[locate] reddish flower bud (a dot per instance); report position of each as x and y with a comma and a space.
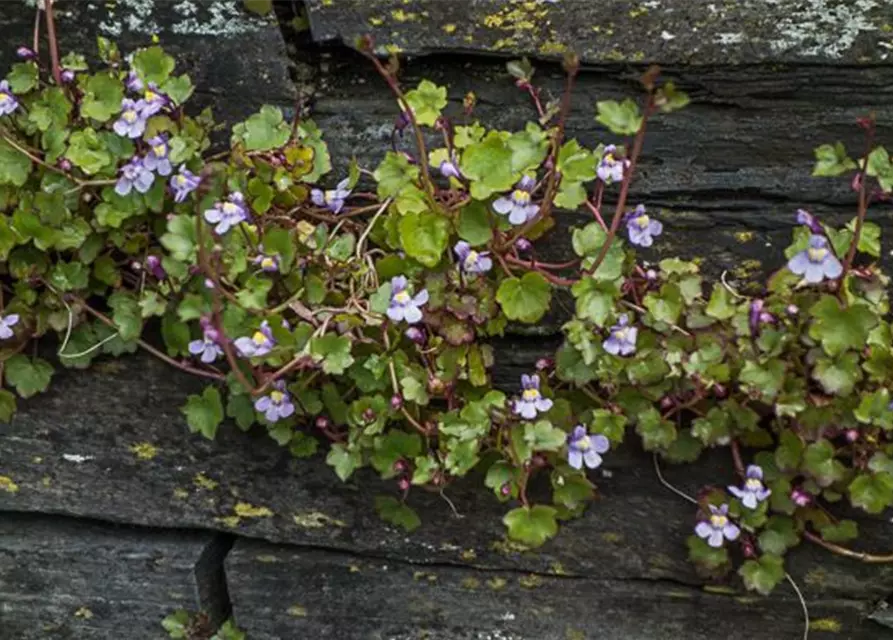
403, 483
323, 423
396, 402
505, 489
720, 391
416, 335
369, 415
747, 549
65, 164
667, 402
852, 435
400, 466
523, 244
544, 364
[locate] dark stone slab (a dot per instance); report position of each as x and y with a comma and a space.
237, 59
320, 594
691, 32
60, 578
75, 451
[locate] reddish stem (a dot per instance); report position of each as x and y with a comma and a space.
863, 206
869, 558
54, 45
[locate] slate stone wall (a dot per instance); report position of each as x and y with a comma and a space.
112, 515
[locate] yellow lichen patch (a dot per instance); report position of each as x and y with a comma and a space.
468, 555
36, 460
6, 484
746, 269
245, 510
144, 450
297, 611
316, 520
375, 21
404, 16
204, 482
180, 493
418, 576
558, 569
354, 568
497, 584
574, 634
266, 559
471, 583
825, 624
640, 11
328, 3
719, 589
679, 595
507, 546
46, 481
744, 236
393, 49
553, 47
84, 613
229, 521
449, 27
531, 581
610, 536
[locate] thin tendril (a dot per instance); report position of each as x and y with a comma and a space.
452, 506
90, 350
663, 481
802, 604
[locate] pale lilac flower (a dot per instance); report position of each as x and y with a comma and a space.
133, 82
157, 159
267, 262
227, 214
277, 405
472, 261
24, 53
756, 311
134, 175
531, 401
259, 344
817, 262
153, 101
131, 123
753, 491
331, 199
7, 322
584, 448
153, 263
642, 229
517, 205
184, 183
610, 169
8, 101
404, 306
208, 347
807, 219
800, 497
67, 76
523, 244
622, 340
415, 334
450, 168
717, 527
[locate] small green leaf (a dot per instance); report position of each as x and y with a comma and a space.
840, 328
842, 531
872, 491
832, 160
240, 408
343, 460
153, 65
424, 236
14, 165
397, 513
126, 314
427, 101
204, 412
656, 432
621, 118
333, 351
488, 164
542, 436
7, 406
474, 224
525, 299
23, 77
764, 574
264, 131
102, 96
721, 305
531, 525
177, 624
28, 376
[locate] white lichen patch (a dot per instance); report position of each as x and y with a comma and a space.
822, 28
219, 18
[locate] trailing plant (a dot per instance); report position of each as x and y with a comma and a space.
183, 625
359, 315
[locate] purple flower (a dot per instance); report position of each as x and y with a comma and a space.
817, 262
208, 347
153, 101
157, 159
8, 102
622, 340
610, 169
404, 306
133, 82
717, 527
260, 344
523, 244
227, 214
450, 168
24, 53
753, 492
531, 401
331, 199
267, 262
518, 205
809, 220
184, 183
6, 324
153, 263
800, 497
756, 311
277, 405
585, 448
67, 76
471, 260
415, 334
134, 175
132, 122
642, 229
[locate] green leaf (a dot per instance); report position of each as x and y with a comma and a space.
880, 167
204, 412
764, 574
621, 118
333, 351
70, 276
595, 300
529, 148
842, 531
838, 376
656, 432
468, 135
177, 624
542, 436
153, 65
397, 513
175, 335
102, 96
474, 224
872, 491
488, 164
779, 535
587, 243
179, 89
575, 163
765, 379
50, 110
427, 101
23, 77
832, 160
839, 328
7, 406
703, 555
14, 165
126, 314
819, 461
88, 151
264, 131
29, 376
666, 305
609, 424
789, 451
394, 174
670, 99
525, 299
394, 446
424, 236
240, 408
721, 305
531, 525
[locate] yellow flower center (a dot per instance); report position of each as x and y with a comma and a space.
530, 395
4, 97
520, 196
268, 263
151, 95
583, 443
718, 521
230, 209
330, 194
259, 338
753, 484
622, 333
472, 257
609, 158
277, 396
159, 149
129, 116
642, 221
181, 180
817, 255
402, 297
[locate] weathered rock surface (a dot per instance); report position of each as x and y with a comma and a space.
61, 578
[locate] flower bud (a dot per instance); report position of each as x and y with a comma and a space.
667, 402
544, 364
747, 549
523, 244
505, 489
793, 309
65, 164
436, 386
67, 76
403, 483
800, 497
323, 423
369, 414
852, 435
720, 391
396, 402
416, 335
24, 53
400, 466
651, 275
